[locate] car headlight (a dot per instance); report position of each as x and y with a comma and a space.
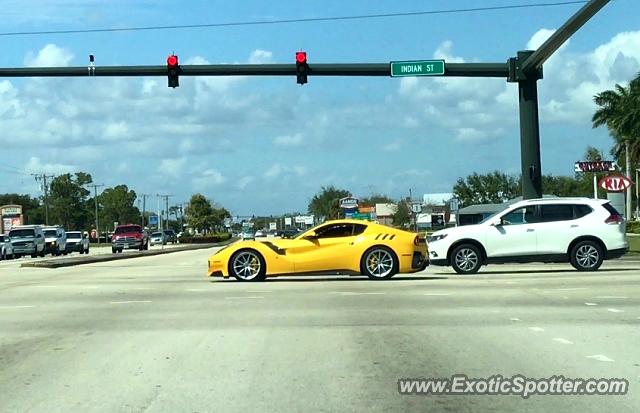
434, 238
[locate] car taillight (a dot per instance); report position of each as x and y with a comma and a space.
614, 219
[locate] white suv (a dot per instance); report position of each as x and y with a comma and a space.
581, 231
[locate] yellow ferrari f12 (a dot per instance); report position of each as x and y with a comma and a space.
341, 246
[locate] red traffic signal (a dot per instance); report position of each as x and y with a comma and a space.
172, 61
173, 70
301, 57
302, 68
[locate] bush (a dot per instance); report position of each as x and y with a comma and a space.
633, 227
208, 239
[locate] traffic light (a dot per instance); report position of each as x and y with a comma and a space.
302, 68
174, 69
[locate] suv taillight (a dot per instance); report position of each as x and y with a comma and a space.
614, 219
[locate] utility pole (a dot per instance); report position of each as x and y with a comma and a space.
95, 199
42, 178
144, 206
166, 202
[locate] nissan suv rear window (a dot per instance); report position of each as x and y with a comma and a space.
557, 212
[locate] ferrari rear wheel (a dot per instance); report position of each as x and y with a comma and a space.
248, 265
379, 263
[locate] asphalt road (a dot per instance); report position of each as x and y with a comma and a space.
154, 335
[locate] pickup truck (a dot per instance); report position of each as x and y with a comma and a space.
129, 236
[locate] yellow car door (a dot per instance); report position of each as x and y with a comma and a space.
331, 249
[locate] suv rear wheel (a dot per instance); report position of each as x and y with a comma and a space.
586, 256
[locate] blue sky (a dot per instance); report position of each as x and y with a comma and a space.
266, 145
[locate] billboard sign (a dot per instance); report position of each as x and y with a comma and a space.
349, 203
595, 166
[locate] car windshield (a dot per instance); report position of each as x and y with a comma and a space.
22, 233
73, 235
156, 234
50, 233
127, 229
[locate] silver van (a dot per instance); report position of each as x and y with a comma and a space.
27, 240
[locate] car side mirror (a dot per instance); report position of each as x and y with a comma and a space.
497, 223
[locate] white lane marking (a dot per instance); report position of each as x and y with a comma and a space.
562, 340
143, 288
194, 289
354, 293
599, 357
437, 294
258, 291
536, 329
571, 289
9, 307
621, 297
243, 298
615, 310
129, 302
514, 319
590, 304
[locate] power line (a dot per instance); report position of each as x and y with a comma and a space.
297, 20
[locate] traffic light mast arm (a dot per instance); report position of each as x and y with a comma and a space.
318, 69
561, 35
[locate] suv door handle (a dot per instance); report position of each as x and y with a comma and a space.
530, 230
575, 226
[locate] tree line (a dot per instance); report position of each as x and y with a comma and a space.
69, 203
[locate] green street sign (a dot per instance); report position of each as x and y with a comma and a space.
417, 68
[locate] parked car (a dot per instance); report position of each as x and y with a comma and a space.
581, 231
27, 239
289, 233
6, 249
55, 240
260, 234
248, 235
77, 242
157, 238
170, 236
129, 236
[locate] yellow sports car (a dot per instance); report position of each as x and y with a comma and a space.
342, 246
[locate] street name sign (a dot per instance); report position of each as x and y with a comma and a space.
417, 68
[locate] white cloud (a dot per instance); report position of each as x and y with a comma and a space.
50, 55
288, 140
259, 56
274, 171
208, 179
244, 181
173, 166
36, 165
392, 146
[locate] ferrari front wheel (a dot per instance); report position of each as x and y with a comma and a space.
248, 265
379, 263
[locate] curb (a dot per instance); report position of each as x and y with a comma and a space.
70, 262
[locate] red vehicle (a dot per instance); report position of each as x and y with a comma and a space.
129, 236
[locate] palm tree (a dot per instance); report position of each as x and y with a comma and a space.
620, 112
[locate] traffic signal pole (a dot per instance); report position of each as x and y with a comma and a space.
525, 69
